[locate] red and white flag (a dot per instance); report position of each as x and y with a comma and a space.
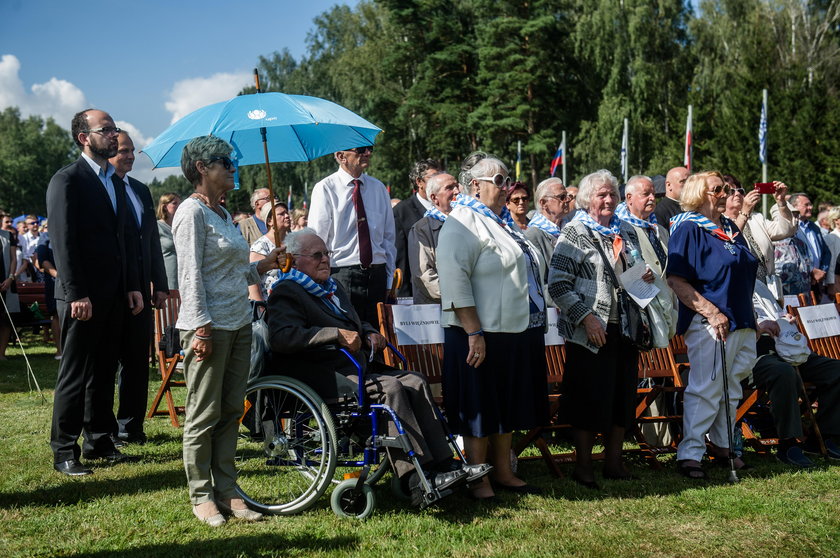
688, 142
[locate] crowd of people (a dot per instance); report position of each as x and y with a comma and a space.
470, 243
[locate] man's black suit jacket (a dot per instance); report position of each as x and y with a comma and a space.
95, 248
152, 269
406, 213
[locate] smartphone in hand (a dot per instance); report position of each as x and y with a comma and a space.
765, 187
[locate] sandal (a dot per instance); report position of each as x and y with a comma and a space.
692, 472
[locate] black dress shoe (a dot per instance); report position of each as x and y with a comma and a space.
72, 468
115, 456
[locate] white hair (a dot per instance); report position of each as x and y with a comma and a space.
634, 182
592, 182
294, 240
434, 183
544, 187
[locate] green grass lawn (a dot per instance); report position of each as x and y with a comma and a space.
142, 509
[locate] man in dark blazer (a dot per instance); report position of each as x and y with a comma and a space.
408, 212
301, 319
134, 356
97, 287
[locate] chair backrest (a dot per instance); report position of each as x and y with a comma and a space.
825, 346
427, 359
660, 363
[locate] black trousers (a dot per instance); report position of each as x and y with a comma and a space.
133, 376
84, 390
366, 288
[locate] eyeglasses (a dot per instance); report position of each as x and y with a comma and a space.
718, 189
362, 150
517, 201
500, 180
317, 255
561, 197
226, 162
738, 191
104, 130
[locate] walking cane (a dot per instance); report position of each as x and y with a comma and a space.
733, 476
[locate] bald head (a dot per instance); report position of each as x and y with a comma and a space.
674, 181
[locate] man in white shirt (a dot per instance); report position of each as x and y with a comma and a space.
351, 212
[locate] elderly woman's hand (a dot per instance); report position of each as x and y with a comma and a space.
273, 260
750, 201
477, 350
595, 332
781, 191
648, 276
203, 347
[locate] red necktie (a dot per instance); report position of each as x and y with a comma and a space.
365, 251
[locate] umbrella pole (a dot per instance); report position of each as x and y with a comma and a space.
268, 169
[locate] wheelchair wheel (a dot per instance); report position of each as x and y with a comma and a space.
345, 503
285, 455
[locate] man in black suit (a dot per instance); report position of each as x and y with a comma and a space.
408, 212
97, 288
134, 356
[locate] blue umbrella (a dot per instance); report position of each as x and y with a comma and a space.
297, 128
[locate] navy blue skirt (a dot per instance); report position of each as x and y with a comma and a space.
507, 392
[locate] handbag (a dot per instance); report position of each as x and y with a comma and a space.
259, 340
633, 320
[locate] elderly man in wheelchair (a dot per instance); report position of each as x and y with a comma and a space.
313, 329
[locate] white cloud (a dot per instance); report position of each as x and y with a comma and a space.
190, 94
57, 98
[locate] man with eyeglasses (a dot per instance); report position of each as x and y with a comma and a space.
253, 227
133, 385
351, 212
95, 245
543, 230
407, 213
29, 241
669, 206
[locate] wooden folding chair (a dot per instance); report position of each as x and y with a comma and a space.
426, 359
167, 365
661, 365
555, 361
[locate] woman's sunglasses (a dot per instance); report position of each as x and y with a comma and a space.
500, 180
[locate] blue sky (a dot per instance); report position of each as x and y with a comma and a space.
146, 62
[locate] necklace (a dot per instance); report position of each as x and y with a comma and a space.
206, 200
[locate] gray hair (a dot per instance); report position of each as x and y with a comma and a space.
433, 184
487, 166
420, 168
255, 195
592, 182
544, 186
294, 240
202, 148
794, 198
472, 160
634, 182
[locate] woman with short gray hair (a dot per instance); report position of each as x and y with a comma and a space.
215, 325
552, 205
491, 285
599, 384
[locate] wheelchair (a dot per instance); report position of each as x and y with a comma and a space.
293, 447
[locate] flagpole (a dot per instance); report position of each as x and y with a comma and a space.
763, 148
625, 159
689, 140
565, 157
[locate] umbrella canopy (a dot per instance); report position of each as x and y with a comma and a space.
298, 128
